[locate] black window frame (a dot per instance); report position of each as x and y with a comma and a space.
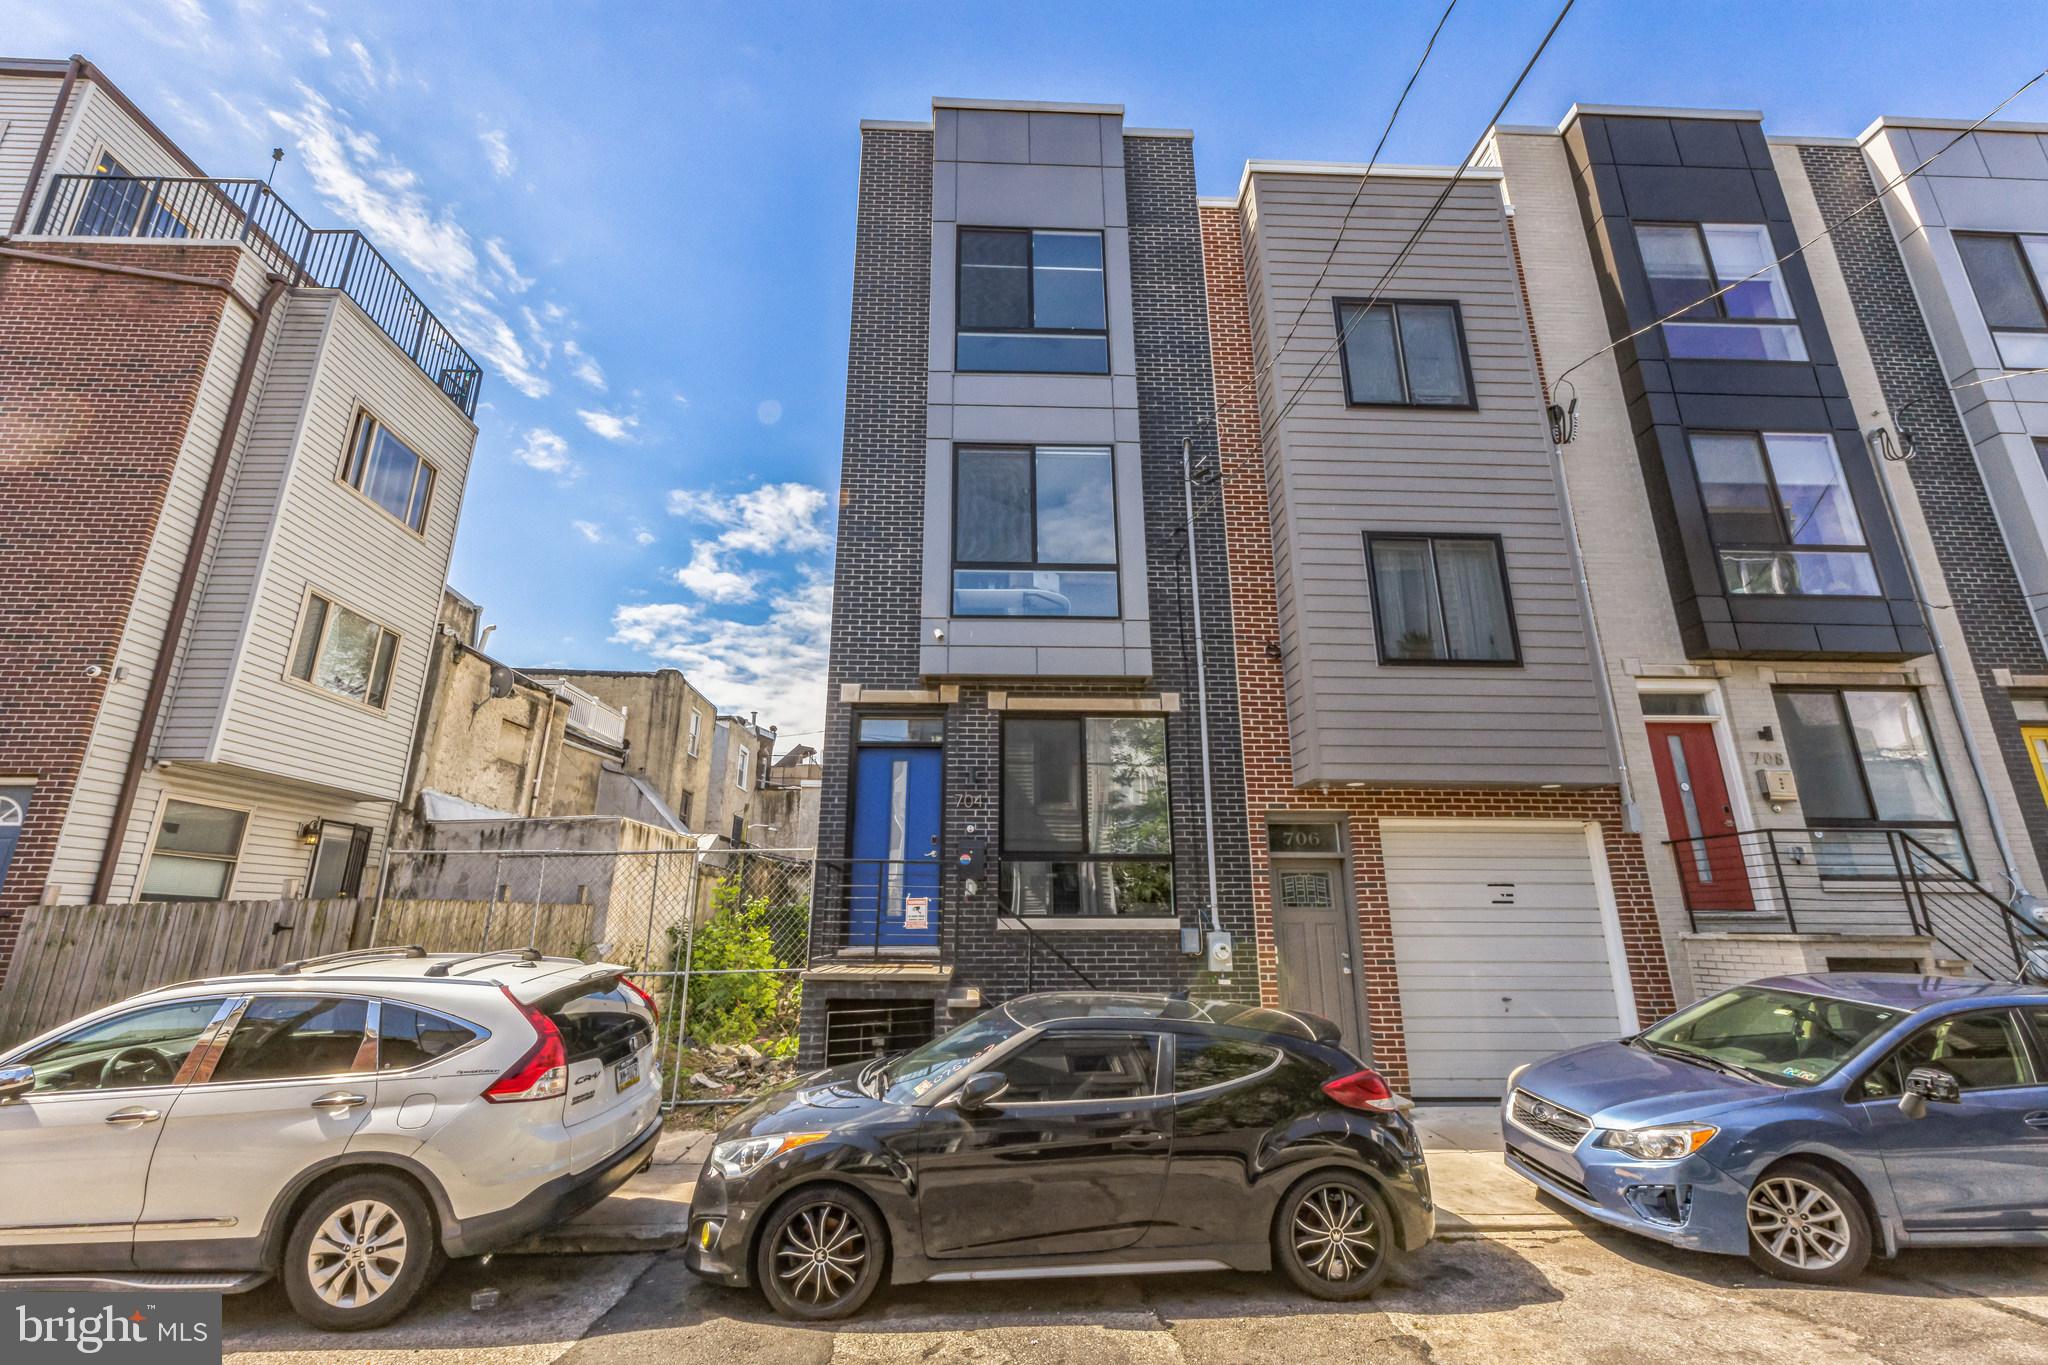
1086, 853
1786, 546
2019, 248
1507, 594
1967, 863
955, 564
1717, 300
1030, 299
1339, 303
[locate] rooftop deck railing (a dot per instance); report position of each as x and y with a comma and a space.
247, 211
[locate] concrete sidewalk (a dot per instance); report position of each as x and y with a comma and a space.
1476, 1194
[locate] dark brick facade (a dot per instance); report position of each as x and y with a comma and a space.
99, 376
880, 563
1990, 605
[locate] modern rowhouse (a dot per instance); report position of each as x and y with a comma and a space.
1805, 740
1440, 856
234, 447
1017, 793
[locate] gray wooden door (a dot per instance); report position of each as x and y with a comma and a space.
1312, 929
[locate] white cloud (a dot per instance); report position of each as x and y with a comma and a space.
583, 365
613, 426
497, 151
364, 62
547, 452
643, 536
775, 666
369, 190
769, 412
708, 576
682, 399
507, 268
775, 516
232, 112
590, 531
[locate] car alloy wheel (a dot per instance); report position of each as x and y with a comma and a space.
821, 1254
357, 1254
1332, 1236
1798, 1223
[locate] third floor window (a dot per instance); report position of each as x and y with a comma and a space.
1031, 302
1686, 262
1782, 518
388, 472
1406, 354
2005, 273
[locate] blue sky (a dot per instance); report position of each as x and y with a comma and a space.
641, 217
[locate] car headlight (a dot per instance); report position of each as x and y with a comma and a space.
1666, 1142
738, 1156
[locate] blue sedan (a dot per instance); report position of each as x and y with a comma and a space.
1807, 1121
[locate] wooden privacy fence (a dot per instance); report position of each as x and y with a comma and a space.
73, 958
466, 926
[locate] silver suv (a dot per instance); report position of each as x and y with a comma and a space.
343, 1123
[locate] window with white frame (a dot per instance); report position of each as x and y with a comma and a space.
741, 765
197, 847
1688, 262
696, 729
344, 652
388, 472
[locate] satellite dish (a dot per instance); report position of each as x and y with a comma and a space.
501, 681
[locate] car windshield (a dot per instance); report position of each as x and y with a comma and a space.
915, 1074
1780, 1036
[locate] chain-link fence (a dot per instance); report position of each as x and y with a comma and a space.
720, 938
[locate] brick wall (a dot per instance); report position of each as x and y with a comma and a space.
1262, 705
1990, 605
99, 374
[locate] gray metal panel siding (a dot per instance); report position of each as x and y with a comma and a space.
1335, 472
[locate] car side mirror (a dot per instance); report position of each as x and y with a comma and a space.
979, 1093
1925, 1085
16, 1081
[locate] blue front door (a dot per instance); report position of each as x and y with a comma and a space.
895, 882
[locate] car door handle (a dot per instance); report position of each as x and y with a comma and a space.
341, 1101
2037, 1119
133, 1117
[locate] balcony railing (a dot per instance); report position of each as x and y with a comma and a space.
879, 909
246, 211
1852, 881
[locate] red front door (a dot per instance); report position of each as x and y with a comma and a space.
1696, 809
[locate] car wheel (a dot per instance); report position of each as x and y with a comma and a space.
1805, 1224
1334, 1237
820, 1254
361, 1251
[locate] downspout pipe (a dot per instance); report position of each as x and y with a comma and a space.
1187, 488
181, 602
1631, 814
35, 169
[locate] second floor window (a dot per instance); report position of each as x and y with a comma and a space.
1781, 516
388, 472
1405, 354
1688, 261
344, 652
1031, 302
1087, 826
1441, 599
2005, 273
1034, 532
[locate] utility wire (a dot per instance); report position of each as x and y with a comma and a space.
1364, 181
1853, 214
1450, 184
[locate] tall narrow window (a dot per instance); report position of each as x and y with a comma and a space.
1864, 760
339, 852
696, 730
196, 851
1781, 515
388, 472
1686, 262
1034, 532
1441, 599
1087, 827
2005, 273
344, 652
1405, 354
1031, 302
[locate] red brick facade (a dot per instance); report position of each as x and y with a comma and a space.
1262, 705
99, 375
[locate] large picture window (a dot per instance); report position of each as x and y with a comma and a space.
388, 472
1441, 599
1688, 261
1034, 532
1864, 761
2005, 273
1405, 354
344, 652
1031, 302
196, 850
1781, 515
1087, 828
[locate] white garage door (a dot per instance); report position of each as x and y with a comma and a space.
1502, 949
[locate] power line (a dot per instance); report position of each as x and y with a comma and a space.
1364, 180
1853, 214
1450, 184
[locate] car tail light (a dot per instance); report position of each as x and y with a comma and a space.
1366, 1090
543, 1073
645, 999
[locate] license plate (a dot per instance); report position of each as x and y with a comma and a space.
627, 1075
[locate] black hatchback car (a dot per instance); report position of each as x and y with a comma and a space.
1069, 1134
